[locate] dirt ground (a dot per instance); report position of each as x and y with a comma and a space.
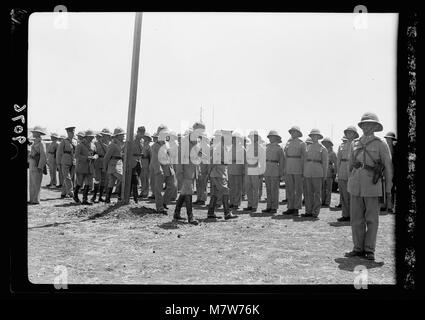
110, 244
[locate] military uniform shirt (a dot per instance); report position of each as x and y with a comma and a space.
294, 151
66, 152
342, 160
316, 161
274, 160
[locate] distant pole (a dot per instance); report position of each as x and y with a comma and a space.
126, 181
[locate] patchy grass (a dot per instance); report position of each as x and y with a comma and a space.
112, 244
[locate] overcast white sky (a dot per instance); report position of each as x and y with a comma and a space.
258, 70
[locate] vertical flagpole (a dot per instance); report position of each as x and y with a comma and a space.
126, 182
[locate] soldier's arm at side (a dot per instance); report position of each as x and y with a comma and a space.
59, 153
107, 157
281, 163
43, 157
325, 160
350, 157
385, 155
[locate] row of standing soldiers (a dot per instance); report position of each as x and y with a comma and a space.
232, 165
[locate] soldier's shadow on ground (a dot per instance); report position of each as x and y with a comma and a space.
283, 217
339, 224
68, 204
350, 264
261, 214
173, 224
302, 219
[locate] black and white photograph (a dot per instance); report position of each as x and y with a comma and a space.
212, 148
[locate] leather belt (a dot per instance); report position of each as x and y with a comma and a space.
299, 157
359, 165
314, 160
116, 157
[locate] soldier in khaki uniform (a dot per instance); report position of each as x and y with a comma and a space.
84, 169
151, 169
275, 165
202, 177
186, 172
391, 140
51, 159
315, 169
255, 167
112, 162
37, 162
219, 178
136, 162
100, 176
174, 157
308, 141
343, 173
58, 164
367, 154
294, 151
145, 160
235, 171
332, 169
66, 158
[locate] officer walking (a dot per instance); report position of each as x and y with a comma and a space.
37, 162
84, 153
186, 172
367, 156
219, 178
332, 169
145, 160
315, 169
51, 159
112, 162
294, 151
275, 165
100, 176
255, 166
236, 171
343, 172
66, 158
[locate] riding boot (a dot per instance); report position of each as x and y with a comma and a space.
95, 190
85, 195
76, 199
211, 208
181, 199
108, 195
226, 209
189, 211
101, 193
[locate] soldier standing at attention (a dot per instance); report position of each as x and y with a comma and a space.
37, 161
315, 169
308, 141
219, 178
145, 160
84, 153
186, 172
112, 162
391, 140
343, 173
164, 172
332, 169
151, 169
274, 173
58, 164
100, 176
174, 156
236, 171
136, 160
66, 158
294, 152
367, 156
254, 168
51, 159
202, 177
339, 205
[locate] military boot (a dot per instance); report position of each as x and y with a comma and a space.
181, 199
227, 213
85, 195
189, 210
95, 190
101, 188
211, 208
75, 197
108, 195
135, 193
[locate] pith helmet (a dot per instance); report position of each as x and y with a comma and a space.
147, 136
391, 135
218, 133
162, 135
316, 132
370, 117
55, 135
297, 129
106, 132
89, 133
308, 140
118, 131
81, 134
172, 134
160, 128
40, 130
327, 140
274, 133
352, 128
198, 125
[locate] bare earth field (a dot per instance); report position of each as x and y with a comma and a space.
110, 244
